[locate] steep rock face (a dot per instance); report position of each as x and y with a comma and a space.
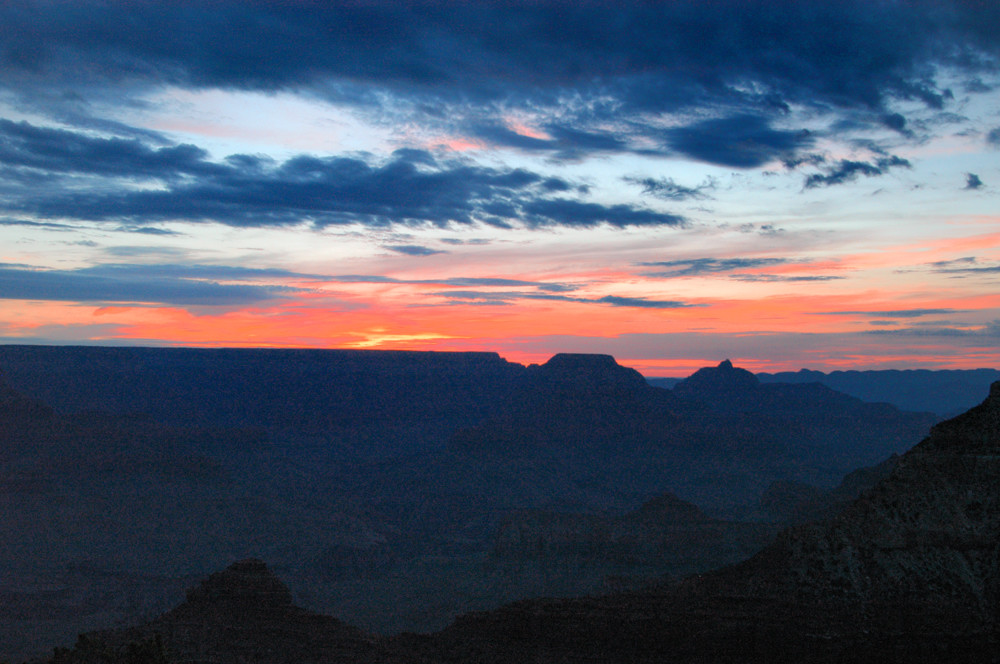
926, 538
795, 503
909, 572
241, 614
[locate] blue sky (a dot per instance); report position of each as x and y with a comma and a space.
789, 184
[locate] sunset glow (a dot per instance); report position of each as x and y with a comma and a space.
501, 188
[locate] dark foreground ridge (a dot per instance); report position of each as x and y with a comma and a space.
910, 572
241, 614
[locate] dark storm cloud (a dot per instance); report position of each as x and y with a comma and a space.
696, 267
589, 63
160, 284
972, 181
847, 170
127, 182
742, 141
993, 137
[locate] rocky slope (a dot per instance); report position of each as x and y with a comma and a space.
909, 572
241, 614
665, 537
793, 503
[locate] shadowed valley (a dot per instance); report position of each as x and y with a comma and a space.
397, 491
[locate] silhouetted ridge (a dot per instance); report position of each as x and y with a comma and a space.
668, 508
723, 379
245, 581
241, 614
586, 371
945, 392
977, 430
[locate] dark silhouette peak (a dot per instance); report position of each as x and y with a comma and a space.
668, 508
590, 370
975, 431
245, 581
577, 361
724, 378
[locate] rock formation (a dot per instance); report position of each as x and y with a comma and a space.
241, 614
910, 572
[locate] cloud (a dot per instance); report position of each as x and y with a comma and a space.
486, 282
23, 145
667, 189
414, 250
469, 241
508, 297
784, 277
847, 170
134, 185
741, 141
990, 331
578, 214
154, 284
894, 313
581, 66
478, 290
964, 267
50, 225
972, 181
696, 267
993, 137
566, 141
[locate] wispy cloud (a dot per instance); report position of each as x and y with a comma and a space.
509, 297
181, 285
696, 267
847, 170
964, 267
667, 189
414, 250
893, 313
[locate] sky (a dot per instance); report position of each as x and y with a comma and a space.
788, 184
